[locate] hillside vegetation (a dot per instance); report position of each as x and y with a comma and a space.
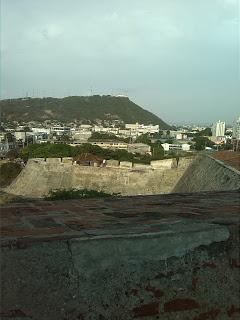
77, 108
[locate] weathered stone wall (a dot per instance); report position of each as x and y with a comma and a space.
208, 174
182, 266
202, 174
167, 163
119, 279
39, 177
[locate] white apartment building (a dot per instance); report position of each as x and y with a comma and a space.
20, 135
100, 129
110, 130
181, 136
61, 130
236, 129
218, 129
124, 133
141, 128
86, 127
183, 147
41, 130
176, 134
81, 134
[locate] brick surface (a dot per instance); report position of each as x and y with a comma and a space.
128, 258
112, 216
229, 158
146, 310
180, 305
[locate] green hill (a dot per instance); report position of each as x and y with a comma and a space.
77, 108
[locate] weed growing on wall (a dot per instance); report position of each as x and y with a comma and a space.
65, 194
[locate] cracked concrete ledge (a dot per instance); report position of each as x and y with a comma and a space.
158, 257
187, 236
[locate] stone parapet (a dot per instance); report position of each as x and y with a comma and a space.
147, 257
125, 164
112, 163
207, 173
68, 160
53, 160
166, 164
141, 166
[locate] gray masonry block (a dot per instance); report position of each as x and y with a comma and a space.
67, 160
112, 163
126, 164
53, 160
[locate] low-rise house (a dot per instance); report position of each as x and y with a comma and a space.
88, 159
114, 145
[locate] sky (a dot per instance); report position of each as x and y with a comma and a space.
176, 58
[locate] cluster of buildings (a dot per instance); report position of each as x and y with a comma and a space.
75, 136
179, 139
221, 134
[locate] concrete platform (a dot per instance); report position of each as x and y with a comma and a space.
148, 257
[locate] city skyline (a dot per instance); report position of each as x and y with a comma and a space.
177, 61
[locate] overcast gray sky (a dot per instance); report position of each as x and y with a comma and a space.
176, 58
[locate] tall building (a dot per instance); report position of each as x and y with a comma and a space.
236, 129
218, 129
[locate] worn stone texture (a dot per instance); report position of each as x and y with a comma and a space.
168, 163
39, 177
208, 174
164, 257
204, 173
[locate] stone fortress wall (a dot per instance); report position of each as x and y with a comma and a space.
203, 173
208, 174
42, 175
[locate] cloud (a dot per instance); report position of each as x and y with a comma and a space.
229, 3
51, 31
173, 52
45, 33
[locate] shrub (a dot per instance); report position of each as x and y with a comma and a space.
66, 194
